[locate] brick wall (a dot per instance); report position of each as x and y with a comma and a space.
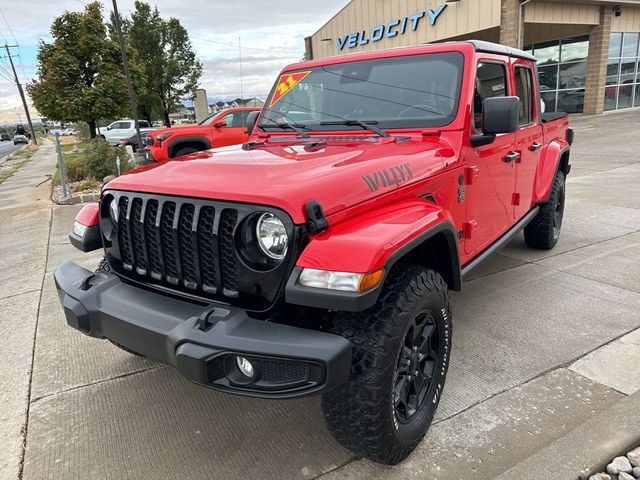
597, 64
509, 22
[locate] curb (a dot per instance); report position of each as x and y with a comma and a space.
587, 449
85, 198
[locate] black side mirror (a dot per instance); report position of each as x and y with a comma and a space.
501, 115
252, 118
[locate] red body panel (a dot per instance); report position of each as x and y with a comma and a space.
217, 137
88, 215
373, 192
366, 243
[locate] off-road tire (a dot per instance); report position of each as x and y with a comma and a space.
362, 414
103, 266
185, 151
543, 231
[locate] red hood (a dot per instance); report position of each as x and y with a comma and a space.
286, 176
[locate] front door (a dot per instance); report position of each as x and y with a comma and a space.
234, 132
528, 140
490, 175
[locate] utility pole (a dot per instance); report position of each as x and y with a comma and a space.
21, 92
240, 52
127, 74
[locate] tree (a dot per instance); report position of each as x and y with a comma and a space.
171, 66
80, 76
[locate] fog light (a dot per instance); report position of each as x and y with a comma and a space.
245, 366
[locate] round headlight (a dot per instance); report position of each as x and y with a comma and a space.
272, 236
113, 211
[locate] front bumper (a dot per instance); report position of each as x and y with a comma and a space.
202, 341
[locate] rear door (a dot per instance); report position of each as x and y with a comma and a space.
529, 141
235, 130
489, 178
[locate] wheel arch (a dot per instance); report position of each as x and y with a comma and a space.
414, 231
195, 141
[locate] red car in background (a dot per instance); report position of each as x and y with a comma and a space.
228, 127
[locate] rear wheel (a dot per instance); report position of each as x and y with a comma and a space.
103, 266
401, 350
544, 230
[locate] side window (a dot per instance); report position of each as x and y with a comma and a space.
229, 119
524, 91
122, 125
491, 81
143, 124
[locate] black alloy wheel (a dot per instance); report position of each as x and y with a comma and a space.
416, 366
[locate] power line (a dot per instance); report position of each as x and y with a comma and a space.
10, 29
21, 92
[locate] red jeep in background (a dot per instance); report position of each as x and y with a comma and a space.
317, 257
228, 127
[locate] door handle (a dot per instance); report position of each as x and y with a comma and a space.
535, 147
511, 157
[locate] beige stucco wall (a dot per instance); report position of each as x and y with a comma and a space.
543, 20
457, 19
562, 13
628, 21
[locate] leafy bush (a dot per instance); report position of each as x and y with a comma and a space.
86, 185
74, 169
100, 160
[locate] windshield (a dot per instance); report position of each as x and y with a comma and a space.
209, 119
402, 92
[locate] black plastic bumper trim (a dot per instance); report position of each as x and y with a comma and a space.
90, 241
167, 329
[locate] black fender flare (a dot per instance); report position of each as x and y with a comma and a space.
298, 294
175, 143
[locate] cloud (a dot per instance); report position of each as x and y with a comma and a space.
272, 35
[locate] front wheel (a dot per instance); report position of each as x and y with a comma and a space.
400, 356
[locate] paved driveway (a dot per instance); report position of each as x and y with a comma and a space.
75, 407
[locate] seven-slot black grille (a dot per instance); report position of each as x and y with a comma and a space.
187, 245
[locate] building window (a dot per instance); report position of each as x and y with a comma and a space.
622, 88
562, 65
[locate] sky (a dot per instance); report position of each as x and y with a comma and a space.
271, 33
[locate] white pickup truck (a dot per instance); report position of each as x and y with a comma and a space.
121, 129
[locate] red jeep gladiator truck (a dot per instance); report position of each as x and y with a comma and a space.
220, 129
317, 257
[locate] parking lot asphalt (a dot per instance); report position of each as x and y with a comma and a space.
531, 330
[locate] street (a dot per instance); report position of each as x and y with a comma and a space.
529, 329
8, 147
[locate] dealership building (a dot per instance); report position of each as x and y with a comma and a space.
588, 51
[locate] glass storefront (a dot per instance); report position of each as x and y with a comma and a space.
563, 72
562, 65
622, 88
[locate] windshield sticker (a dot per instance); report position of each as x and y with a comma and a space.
286, 84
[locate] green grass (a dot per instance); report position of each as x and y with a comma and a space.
69, 155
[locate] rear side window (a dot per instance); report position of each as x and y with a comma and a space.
121, 125
524, 91
491, 81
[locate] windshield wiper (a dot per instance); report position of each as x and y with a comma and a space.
366, 125
296, 127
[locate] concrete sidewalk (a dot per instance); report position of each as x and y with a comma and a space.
528, 330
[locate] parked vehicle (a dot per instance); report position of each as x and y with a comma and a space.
4, 137
20, 139
132, 141
121, 129
317, 257
220, 129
